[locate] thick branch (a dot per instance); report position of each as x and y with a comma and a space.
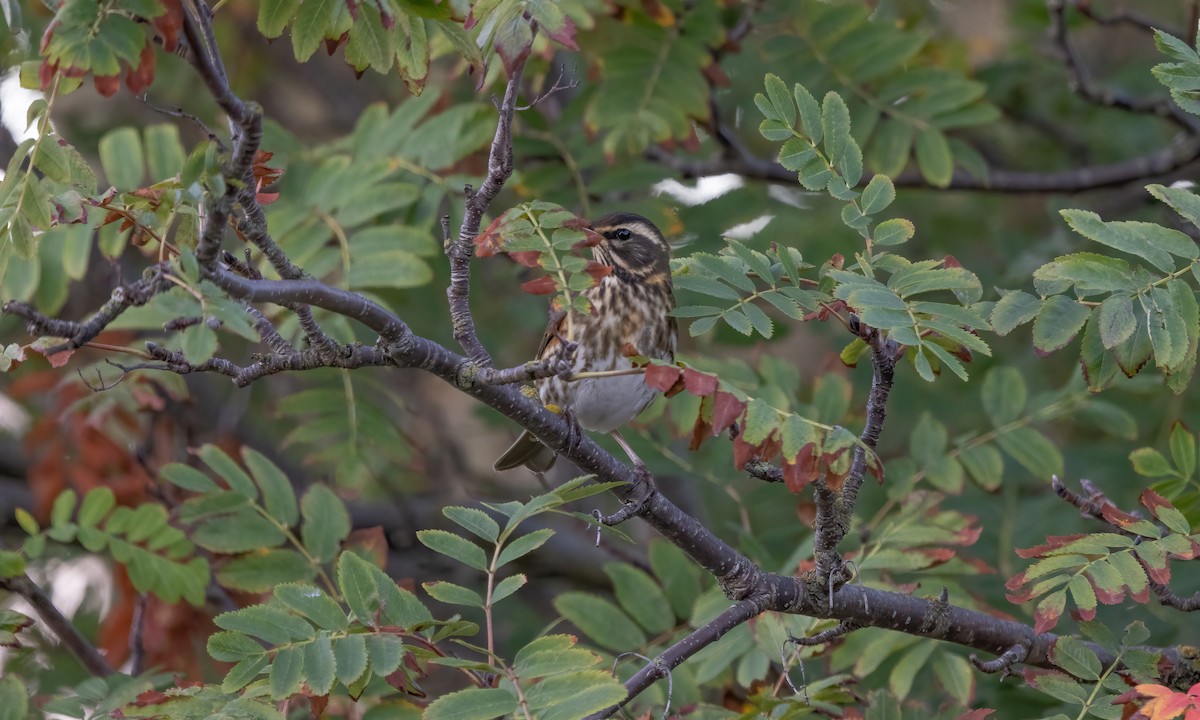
80, 647
460, 252
355, 356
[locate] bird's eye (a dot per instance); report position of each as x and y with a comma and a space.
624, 234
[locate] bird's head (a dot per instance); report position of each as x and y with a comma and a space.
633, 246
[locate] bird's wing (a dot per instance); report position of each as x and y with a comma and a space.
554, 330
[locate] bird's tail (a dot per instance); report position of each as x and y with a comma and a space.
527, 451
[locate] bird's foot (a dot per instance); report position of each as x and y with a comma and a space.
574, 430
643, 490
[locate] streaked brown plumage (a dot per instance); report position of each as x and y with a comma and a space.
629, 309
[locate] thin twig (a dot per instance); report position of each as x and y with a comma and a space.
83, 650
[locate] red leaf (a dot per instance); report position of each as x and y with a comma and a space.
837, 260
662, 377
698, 383
598, 270
107, 85
726, 409
799, 474
266, 198
951, 262
1015, 581
978, 714
968, 535
1046, 617
43, 344
1153, 501
528, 258
168, 24
1053, 542
47, 34
770, 447
1142, 596
386, 18
1083, 614
488, 242
46, 74
743, 452
545, 285
137, 79
352, 6
566, 34
591, 238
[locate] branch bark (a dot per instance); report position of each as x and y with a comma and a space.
80, 647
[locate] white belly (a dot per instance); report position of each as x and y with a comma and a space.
605, 404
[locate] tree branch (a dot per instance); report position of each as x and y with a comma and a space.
460, 252
83, 650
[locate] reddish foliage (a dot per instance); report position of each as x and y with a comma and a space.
662, 377
488, 242
139, 78
743, 452
1153, 502
372, 542
978, 714
726, 409
698, 383
700, 433
951, 262
169, 24
107, 85
528, 258
598, 270
544, 285
1053, 542
1045, 617
798, 474
1163, 703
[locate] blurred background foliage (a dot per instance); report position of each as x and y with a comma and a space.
660, 91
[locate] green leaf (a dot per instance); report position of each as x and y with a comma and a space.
878, 195
810, 113
472, 704
891, 145
64, 505
452, 594
1183, 449
1015, 308
893, 232
1174, 47
985, 465
319, 665
1032, 450
224, 466
956, 676
385, 653
477, 521
313, 22
455, 547
121, 157
350, 656
839, 144
901, 679
278, 496
233, 646
523, 545
1149, 462
508, 586
641, 597
1057, 323
782, 106
934, 158
51, 159
1004, 395
14, 699
199, 343
678, 574
356, 580
241, 674
265, 569
96, 505
187, 478
326, 522
313, 603
1116, 320
269, 623
287, 671
242, 531
600, 620
1070, 654
1153, 243
164, 150
274, 15
576, 695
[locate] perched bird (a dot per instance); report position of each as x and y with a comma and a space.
629, 311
